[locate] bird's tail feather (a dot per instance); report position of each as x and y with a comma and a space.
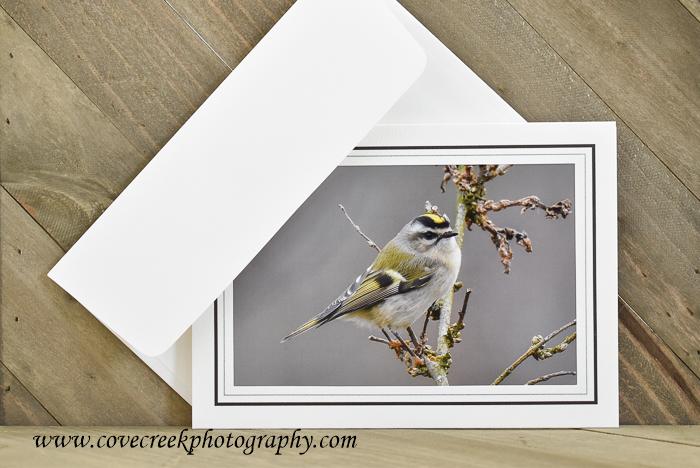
324, 317
314, 322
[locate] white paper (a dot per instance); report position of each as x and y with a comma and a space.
160, 254
592, 402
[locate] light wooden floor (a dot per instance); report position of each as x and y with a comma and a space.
634, 446
90, 91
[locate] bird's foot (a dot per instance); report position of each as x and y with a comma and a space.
404, 345
393, 344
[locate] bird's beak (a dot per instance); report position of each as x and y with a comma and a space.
447, 234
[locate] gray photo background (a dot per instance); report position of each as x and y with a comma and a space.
317, 254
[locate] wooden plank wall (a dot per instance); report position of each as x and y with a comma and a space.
89, 91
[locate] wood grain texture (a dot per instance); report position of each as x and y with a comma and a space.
687, 435
659, 218
693, 7
655, 386
77, 369
18, 407
59, 155
546, 448
642, 58
137, 61
232, 28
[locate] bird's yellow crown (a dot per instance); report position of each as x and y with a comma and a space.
433, 220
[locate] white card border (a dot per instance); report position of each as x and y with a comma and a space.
602, 411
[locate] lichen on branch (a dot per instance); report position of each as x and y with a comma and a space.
470, 182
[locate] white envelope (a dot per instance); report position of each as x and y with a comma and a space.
315, 85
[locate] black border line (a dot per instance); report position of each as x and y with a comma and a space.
445, 403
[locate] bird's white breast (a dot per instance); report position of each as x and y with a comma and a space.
402, 310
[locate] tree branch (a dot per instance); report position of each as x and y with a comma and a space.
537, 343
444, 337
546, 377
378, 340
545, 353
488, 172
560, 209
558, 330
470, 182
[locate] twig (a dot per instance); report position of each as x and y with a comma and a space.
378, 340
559, 209
544, 353
546, 377
488, 172
370, 242
385, 334
558, 330
463, 312
537, 342
530, 351
414, 340
501, 238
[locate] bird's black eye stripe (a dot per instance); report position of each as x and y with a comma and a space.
429, 235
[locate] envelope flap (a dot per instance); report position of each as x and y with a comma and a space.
237, 170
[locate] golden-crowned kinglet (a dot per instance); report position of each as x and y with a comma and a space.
415, 269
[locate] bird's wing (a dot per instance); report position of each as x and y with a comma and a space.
370, 288
378, 286
333, 306
330, 312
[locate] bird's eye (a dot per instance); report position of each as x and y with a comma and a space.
429, 235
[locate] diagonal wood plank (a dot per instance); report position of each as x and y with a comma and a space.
232, 28
642, 59
66, 162
59, 155
659, 219
137, 61
655, 386
18, 407
79, 370
693, 7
